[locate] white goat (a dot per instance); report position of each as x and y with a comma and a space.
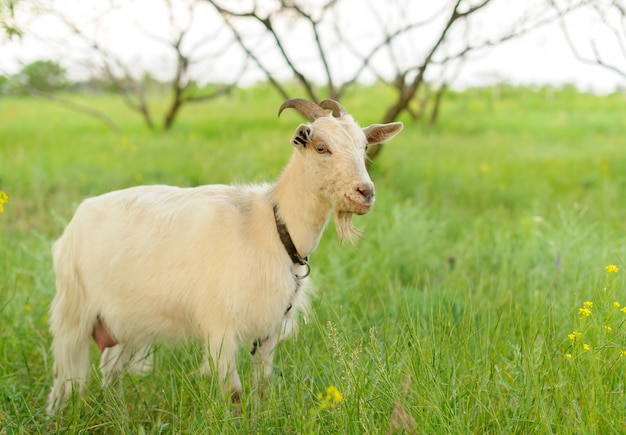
215, 263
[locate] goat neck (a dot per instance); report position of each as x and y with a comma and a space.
304, 213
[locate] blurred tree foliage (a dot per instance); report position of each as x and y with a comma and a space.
44, 75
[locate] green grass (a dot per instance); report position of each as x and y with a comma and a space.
490, 232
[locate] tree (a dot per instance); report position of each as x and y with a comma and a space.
44, 75
7, 19
324, 47
416, 48
86, 37
606, 18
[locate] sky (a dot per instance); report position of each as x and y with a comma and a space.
540, 57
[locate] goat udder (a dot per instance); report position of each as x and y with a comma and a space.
102, 337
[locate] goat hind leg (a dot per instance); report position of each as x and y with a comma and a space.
71, 365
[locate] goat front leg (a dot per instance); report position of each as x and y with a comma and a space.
263, 360
223, 353
112, 362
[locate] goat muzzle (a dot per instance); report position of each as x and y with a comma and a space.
362, 200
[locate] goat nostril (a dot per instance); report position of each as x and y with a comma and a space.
367, 192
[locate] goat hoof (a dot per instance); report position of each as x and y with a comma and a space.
235, 397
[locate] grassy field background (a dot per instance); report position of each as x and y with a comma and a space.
478, 301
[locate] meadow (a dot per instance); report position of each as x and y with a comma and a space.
479, 300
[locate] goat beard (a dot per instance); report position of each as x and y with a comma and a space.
344, 227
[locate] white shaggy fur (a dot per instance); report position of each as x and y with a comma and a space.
153, 262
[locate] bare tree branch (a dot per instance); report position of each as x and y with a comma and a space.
386, 42
614, 8
255, 59
405, 97
80, 108
268, 24
318, 43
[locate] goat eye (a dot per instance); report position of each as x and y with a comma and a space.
321, 148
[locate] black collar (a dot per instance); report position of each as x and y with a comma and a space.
283, 233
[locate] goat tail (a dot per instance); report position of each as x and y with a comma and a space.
70, 323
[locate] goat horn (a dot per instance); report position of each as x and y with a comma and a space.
308, 108
333, 105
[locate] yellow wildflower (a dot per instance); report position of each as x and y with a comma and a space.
585, 346
622, 353
608, 328
574, 335
4, 198
333, 394
584, 312
588, 304
611, 268
616, 304
623, 310
568, 355
330, 398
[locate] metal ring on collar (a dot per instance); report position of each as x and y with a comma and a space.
308, 271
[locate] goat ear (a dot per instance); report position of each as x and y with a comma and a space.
302, 135
379, 133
